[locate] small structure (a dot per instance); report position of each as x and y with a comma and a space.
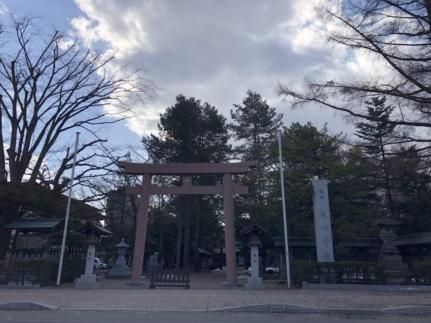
166, 277
31, 238
169, 278
254, 233
120, 269
94, 232
395, 272
415, 247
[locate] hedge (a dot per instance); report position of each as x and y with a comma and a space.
422, 272
342, 271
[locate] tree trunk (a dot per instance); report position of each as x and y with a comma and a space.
3, 178
389, 200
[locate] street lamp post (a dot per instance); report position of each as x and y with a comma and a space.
283, 199
66, 220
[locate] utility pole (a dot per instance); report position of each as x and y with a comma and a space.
66, 220
283, 199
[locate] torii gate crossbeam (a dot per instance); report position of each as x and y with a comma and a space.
186, 170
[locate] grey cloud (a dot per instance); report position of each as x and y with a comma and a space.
213, 50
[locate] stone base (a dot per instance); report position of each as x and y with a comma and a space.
138, 284
119, 271
230, 285
395, 277
254, 283
86, 282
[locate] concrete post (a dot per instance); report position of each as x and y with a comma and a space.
141, 229
229, 228
88, 279
89, 264
254, 261
254, 281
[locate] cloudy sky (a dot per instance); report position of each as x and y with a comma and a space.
212, 50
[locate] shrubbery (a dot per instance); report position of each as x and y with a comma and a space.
342, 271
422, 272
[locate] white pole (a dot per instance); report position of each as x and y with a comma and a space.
283, 199
66, 220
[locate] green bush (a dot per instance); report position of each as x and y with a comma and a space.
72, 269
305, 270
421, 271
342, 271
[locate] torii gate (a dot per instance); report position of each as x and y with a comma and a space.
186, 170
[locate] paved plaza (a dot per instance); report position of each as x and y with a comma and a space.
172, 299
208, 294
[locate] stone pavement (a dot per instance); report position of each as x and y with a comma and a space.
172, 299
207, 293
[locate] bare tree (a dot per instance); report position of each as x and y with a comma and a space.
398, 34
48, 89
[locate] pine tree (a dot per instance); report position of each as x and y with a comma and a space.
376, 134
309, 152
411, 182
255, 125
191, 132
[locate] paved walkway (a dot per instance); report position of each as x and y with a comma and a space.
201, 299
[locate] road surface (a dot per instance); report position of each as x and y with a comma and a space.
186, 317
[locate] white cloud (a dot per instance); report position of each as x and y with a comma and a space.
3, 9
215, 50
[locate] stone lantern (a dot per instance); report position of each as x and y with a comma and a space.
395, 271
120, 269
94, 233
254, 234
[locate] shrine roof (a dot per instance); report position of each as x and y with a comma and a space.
423, 238
37, 223
97, 227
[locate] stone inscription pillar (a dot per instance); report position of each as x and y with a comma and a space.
322, 221
229, 228
254, 261
89, 263
88, 279
141, 229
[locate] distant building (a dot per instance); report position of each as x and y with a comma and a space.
120, 213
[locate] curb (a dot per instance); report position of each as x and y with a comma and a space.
369, 288
297, 309
27, 306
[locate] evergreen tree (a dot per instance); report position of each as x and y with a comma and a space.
255, 125
411, 184
377, 133
308, 153
191, 132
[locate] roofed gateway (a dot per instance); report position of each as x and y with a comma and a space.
186, 171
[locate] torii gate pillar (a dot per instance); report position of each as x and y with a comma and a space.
229, 230
186, 170
141, 229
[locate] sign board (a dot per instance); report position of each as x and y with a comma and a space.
322, 221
